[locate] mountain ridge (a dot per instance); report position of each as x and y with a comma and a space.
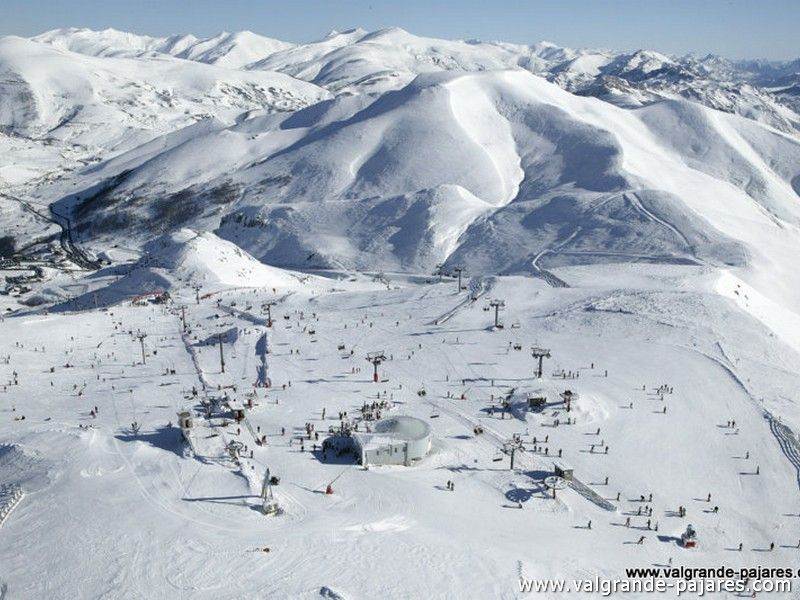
387, 150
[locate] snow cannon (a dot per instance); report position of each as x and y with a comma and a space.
689, 537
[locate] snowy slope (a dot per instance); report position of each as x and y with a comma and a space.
468, 163
232, 50
357, 61
184, 260
61, 111
386, 59
143, 514
46, 90
636, 213
204, 259
502, 164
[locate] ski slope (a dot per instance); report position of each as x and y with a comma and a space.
637, 214
150, 519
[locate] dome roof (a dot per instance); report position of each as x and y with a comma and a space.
402, 427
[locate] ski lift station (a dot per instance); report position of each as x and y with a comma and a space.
395, 441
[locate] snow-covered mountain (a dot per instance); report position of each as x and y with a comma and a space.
501, 171
57, 93
223, 230
61, 111
232, 50
356, 61
386, 150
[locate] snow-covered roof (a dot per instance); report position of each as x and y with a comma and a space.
394, 429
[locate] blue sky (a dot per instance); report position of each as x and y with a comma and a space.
733, 28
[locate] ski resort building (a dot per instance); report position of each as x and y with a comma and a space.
395, 441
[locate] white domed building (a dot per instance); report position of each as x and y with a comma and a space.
397, 440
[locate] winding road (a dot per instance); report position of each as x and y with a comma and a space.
71, 249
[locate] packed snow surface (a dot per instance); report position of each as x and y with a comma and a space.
660, 362
181, 218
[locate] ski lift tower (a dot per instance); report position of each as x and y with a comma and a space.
511, 447
439, 271
458, 271
540, 353
497, 305
269, 504
568, 396
141, 336
268, 307
235, 449
376, 358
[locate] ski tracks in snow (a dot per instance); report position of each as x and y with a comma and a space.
634, 199
787, 441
